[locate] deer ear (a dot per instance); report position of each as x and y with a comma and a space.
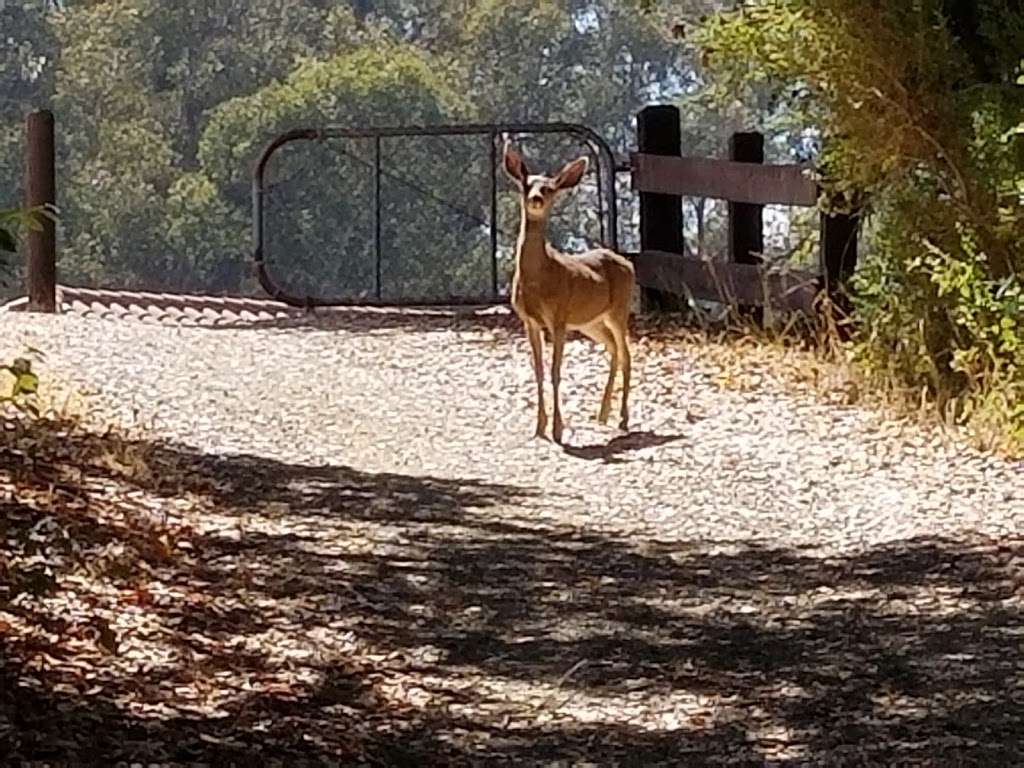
571, 174
514, 165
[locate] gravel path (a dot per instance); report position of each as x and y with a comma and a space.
749, 578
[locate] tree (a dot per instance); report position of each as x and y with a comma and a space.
26, 80
139, 85
321, 206
920, 124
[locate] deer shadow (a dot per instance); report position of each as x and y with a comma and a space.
610, 451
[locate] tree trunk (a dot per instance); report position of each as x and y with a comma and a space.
964, 21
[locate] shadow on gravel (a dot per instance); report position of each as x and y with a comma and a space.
906, 654
609, 452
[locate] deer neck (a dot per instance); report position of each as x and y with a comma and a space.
532, 257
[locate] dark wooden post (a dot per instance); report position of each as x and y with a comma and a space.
41, 190
661, 216
746, 220
746, 227
838, 254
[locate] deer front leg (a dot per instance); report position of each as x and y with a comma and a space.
557, 343
537, 349
621, 335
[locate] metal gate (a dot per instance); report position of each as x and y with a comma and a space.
272, 260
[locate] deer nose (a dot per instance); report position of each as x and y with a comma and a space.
535, 198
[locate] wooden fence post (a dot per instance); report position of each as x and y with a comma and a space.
661, 216
41, 190
746, 220
838, 254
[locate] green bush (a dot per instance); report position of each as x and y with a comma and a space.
24, 385
9, 221
13, 221
934, 152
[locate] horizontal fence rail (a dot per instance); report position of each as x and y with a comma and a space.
727, 282
723, 180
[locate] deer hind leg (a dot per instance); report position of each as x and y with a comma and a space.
620, 331
537, 350
600, 332
557, 345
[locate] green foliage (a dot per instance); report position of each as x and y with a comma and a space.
934, 154
316, 185
23, 388
205, 235
163, 108
13, 222
940, 321
384, 85
8, 240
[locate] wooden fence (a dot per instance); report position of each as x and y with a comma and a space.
663, 176
660, 174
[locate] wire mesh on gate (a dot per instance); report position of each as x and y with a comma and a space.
412, 215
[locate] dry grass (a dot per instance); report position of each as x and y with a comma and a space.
810, 357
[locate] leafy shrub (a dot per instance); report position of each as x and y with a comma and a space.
23, 388
8, 231
934, 153
13, 221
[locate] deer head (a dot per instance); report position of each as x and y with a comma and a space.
540, 192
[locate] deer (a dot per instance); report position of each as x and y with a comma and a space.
558, 292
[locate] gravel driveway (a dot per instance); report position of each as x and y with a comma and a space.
748, 578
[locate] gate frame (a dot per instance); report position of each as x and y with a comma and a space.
606, 193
